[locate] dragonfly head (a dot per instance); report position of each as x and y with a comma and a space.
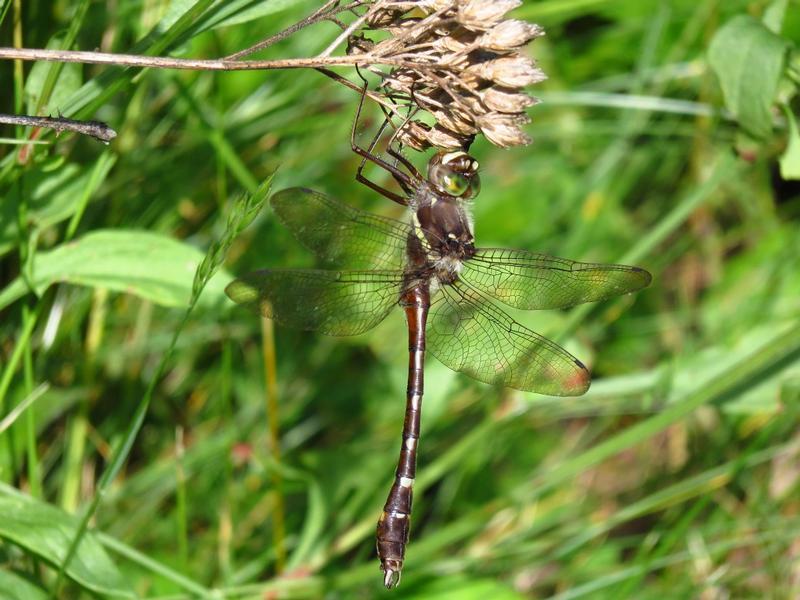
454, 174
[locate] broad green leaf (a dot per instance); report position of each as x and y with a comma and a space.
46, 532
69, 80
748, 59
52, 197
15, 587
790, 160
148, 265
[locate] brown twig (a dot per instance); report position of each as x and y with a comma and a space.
221, 64
96, 129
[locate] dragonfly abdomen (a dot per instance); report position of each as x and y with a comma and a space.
394, 523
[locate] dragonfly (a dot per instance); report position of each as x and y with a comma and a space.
451, 291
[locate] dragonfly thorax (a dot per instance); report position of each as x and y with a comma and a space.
441, 215
444, 229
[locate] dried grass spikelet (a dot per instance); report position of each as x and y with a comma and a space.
463, 64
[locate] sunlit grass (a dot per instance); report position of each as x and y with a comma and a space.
674, 477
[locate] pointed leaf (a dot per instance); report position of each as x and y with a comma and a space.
52, 198
15, 587
749, 59
46, 532
149, 265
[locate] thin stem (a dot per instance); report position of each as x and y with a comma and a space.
16, 355
19, 81
219, 64
14, 414
180, 501
347, 32
273, 418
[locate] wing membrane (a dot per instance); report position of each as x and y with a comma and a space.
340, 234
468, 333
332, 302
535, 281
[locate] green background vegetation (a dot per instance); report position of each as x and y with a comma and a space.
676, 476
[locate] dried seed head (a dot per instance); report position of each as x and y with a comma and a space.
414, 135
504, 130
453, 44
506, 100
509, 71
461, 62
383, 17
431, 6
456, 121
440, 137
510, 34
481, 14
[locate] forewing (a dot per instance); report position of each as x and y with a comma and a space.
332, 302
536, 281
468, 333
340, 234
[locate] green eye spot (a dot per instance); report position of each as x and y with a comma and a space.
473, 189
455, 184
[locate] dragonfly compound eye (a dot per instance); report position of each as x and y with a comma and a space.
455, 184
454, 174
473, 189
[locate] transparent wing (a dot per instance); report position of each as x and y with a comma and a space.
468, 333
534, 281
340, 234
332, 302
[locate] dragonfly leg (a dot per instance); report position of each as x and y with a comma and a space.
361, 178
394, 524
398, 155
403, 179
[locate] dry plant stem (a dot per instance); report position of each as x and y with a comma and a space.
220, 64
96, 129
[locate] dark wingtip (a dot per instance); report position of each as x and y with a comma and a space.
580, 381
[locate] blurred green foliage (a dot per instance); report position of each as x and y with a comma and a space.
658, 143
